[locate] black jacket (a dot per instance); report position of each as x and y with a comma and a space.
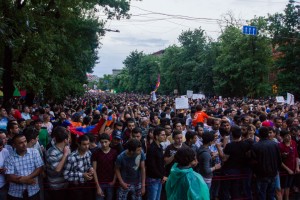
267, 160
155, 161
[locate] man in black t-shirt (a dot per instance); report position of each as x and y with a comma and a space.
234, 157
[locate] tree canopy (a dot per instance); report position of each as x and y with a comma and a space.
48, 46
233, 65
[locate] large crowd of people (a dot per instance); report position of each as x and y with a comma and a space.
126, 146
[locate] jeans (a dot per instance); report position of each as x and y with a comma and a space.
52, 194
215, 185
266, 188
34, 197
153, 189
108, 191
134, 189
231, 188
3, 193
80, 191
247, 180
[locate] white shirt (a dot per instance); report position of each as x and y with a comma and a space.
26, 116
3, 155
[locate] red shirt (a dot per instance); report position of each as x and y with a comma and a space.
289, 154
17, 114
105, 165
200, 116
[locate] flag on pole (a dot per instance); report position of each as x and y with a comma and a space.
157, 83
290, 100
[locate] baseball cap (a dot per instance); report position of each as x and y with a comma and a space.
266, 123
117, 134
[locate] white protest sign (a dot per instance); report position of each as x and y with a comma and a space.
280, 99
198, 96
189, 93
290, 100
220, 99
182, 103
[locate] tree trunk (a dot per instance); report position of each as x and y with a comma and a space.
8, 87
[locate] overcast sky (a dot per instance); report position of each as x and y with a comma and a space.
154, 25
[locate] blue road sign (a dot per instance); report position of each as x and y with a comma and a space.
250, 30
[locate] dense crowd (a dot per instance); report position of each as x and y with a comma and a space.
126, 146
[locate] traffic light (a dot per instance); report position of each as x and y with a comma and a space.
274, 89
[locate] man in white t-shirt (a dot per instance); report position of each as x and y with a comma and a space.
3, 155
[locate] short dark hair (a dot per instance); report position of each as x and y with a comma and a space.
157, 131
10, 125
17, 137
104, 136
60, 134
118, 124
92, 137
136, 130
133, 144
262, 117
190, 135
163, 115
130, 121
30, 134
236, 132
1, 142
184, 156
263, 132
199, 107
284, 133
86, 120
82, 138
207, 137
176, 132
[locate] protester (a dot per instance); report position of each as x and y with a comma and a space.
290, 165
109, 114
266, 156
23, 167
79, 171
130, 171
205, 166
56, 157
4, 154
155, 165
183, 182
103, 161
172, 149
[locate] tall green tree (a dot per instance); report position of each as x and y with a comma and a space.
171, 70
284, 30
120, 81
48, 45
132, 64
244, 63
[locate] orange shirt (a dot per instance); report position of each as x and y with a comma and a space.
200, 116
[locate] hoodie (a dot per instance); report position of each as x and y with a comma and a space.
205, 162
185, 184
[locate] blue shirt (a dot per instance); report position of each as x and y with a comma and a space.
3, 123
130, 167
23, 166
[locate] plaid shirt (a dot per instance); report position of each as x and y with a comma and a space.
53, 157
23, 166
76, 166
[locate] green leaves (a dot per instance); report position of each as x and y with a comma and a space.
53, 43
286, 42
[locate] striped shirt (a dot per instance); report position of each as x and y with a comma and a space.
23, 166
55, 179
76, 166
